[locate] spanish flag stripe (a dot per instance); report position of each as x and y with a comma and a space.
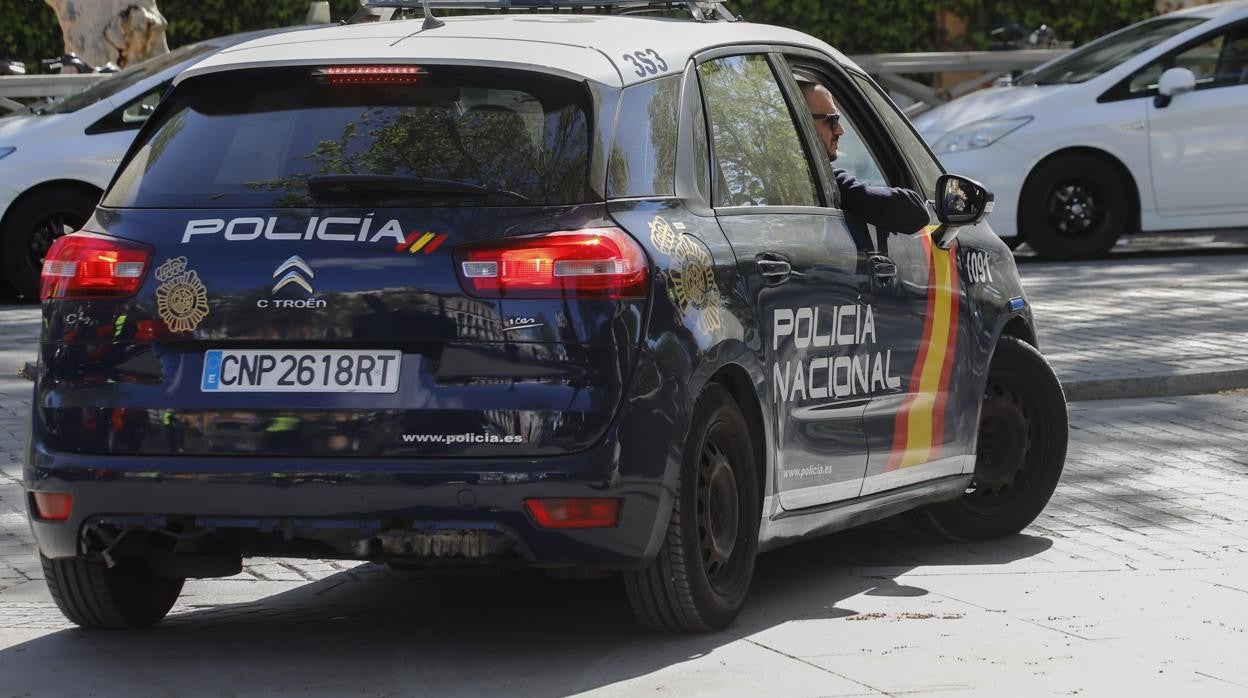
437, 242
919, 444
946, 372
424, 240
901, 428
919, 428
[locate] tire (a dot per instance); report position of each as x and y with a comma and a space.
30, 228
700, 578
94, 596
1022, 448
1073, 207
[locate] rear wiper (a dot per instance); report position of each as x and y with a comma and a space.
339, 184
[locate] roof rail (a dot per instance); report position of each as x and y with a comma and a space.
700, 10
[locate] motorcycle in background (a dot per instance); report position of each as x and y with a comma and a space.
70, 63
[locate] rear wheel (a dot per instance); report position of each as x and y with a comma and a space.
96, 596
700, 578
1073, 207
1022, 449
30, 228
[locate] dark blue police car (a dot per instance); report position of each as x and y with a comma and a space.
565, 291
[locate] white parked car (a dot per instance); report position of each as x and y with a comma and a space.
1142, 129
56, 161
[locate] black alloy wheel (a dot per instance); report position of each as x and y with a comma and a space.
1023, 431
30, 228
1073, 207
719, 511
702, 574
1002, 466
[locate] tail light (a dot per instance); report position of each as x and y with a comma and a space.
574, 512
52, 506
595, 262
83, 265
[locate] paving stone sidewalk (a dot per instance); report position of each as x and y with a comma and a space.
1130, 583
1140, 327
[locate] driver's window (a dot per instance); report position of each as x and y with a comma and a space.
853, 156
1218, 62
137, 111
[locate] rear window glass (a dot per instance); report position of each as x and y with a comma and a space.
643, 157
460, 137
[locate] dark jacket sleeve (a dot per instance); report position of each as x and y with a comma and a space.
889, 208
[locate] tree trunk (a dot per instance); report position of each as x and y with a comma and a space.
122, 32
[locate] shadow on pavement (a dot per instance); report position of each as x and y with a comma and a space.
369, 632
1157, 245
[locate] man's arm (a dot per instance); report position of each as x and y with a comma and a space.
887, 208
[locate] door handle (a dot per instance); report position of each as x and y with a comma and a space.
773, 267
882, 269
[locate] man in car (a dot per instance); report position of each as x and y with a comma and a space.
887, 208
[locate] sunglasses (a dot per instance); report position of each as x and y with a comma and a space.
832, 119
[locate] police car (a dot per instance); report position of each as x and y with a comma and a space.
543, 289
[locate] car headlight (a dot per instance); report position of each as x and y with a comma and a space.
978, 134
4, 152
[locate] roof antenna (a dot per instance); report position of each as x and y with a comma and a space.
431, 22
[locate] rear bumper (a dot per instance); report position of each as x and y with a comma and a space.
369, 499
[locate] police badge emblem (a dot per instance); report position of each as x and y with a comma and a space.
691, 277
181, 298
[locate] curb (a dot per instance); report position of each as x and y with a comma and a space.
1182, 382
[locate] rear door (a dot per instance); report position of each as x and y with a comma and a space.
355, 265
801, 266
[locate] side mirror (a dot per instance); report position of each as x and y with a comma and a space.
1173, 82
961, 201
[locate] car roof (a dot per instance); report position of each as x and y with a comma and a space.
583, 46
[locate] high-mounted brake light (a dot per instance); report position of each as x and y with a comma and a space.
595, 262
373, 74
84, 265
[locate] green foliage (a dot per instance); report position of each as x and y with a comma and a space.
30, 30
195, 20
1074, 22
891, 26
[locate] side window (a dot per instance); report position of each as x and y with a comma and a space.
701, 149
643, 155
1220, 61
759, 156
1233, 63
137, 111
922, 162
853, 155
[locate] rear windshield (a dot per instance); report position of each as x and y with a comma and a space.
457, 137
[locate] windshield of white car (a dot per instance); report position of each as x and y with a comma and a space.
1108, 52
109, 86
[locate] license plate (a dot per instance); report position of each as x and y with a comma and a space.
313, 371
